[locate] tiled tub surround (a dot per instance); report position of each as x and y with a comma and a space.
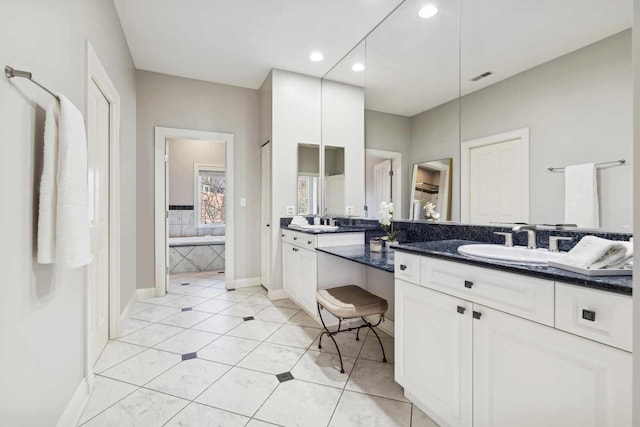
182, 223
194, 258
142, 379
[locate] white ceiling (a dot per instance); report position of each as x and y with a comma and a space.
237, 42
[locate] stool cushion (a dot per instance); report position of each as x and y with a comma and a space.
351, 301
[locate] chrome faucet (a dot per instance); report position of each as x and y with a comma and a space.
531, 234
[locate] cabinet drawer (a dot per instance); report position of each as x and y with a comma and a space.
601, 316
516, 294
299, 239
407, 267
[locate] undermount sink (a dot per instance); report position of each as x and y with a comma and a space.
516, 254
313, 227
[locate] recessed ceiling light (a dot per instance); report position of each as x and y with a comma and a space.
428, 11
358, 67
316, 57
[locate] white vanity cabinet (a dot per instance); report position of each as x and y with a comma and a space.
470, 356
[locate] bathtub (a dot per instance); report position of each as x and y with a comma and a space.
197, 253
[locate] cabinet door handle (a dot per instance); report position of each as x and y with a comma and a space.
477, 314
308, 242
283, 235
294, 249
461, 310
589, 315
468, 284
268, 225
403, 267
295, 238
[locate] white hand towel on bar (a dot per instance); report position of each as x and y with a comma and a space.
581, 196
63, 225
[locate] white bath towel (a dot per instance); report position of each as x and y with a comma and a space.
581, 196
300, 221
595, 253
64, 204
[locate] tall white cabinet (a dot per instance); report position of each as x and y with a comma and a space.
503, 362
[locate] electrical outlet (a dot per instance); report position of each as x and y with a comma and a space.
291, 210
349, 210
243, 201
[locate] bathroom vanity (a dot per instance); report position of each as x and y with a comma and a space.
499, 344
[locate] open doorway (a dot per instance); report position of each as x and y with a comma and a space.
194, 194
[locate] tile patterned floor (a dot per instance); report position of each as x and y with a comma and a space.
143, 378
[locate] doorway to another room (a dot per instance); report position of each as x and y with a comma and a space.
383, 176
194, 194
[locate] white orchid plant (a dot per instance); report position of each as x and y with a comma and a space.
386, 220
430, 211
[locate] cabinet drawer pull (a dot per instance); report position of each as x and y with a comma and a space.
283, 235
468, 284
477, 314
295, 238
309, 242
461, 310
294, 249
589, 315
403, 267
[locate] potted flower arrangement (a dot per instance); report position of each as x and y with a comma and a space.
386, 221
430, 212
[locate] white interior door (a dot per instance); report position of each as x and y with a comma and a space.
381, 184
98, 271
265, 196
495, 178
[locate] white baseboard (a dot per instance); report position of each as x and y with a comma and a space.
144, 293
275, 294
387, 326
243, 283
74, 409
126, 313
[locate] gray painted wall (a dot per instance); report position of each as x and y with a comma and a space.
578, 108
42, 310
192, 104
636, 216
183, 153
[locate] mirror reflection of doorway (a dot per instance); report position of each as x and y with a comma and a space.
383, 177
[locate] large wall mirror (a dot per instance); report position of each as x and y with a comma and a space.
308, 181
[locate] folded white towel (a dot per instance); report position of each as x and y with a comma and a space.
299, 221
595, 253
581, 196
63, 224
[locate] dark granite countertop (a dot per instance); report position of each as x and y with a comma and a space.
448, 250
362, 254
341, 229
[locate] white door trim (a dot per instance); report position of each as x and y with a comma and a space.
396, 165
98, 75
161, 205
465, 150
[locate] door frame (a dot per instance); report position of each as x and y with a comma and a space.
396, 166
96, 73
465, 154
161, 202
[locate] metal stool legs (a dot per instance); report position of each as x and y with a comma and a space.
330, 334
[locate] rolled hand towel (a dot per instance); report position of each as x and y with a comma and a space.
299, 221
595, 253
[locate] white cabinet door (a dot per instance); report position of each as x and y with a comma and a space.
530, 375
290, 267
307, 278
433, 352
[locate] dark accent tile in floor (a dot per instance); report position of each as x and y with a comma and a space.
285, 376
248, 318
187, 308
229, 290
188, 356
185, 284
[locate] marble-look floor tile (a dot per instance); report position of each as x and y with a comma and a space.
375, 378
140, 307
229, 350
186, 319
240, 390
214, 306
187, 341
361, 410
346, 341
259, 299
185, 301
272, 358
105, 393
251, 290
303, 319
189, 378
115, 352
132, 325
144, 367
258, 423
243, 309
285, 303
254, 330
371, 349
141, 408
298, 403
276, 314
208, 293
218, 324
157, 313
233, 296
294, 336
205, 282
163, 299
181, 289
151, 335
420, 419
197, 415
323, 368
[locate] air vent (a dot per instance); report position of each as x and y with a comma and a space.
482, 76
